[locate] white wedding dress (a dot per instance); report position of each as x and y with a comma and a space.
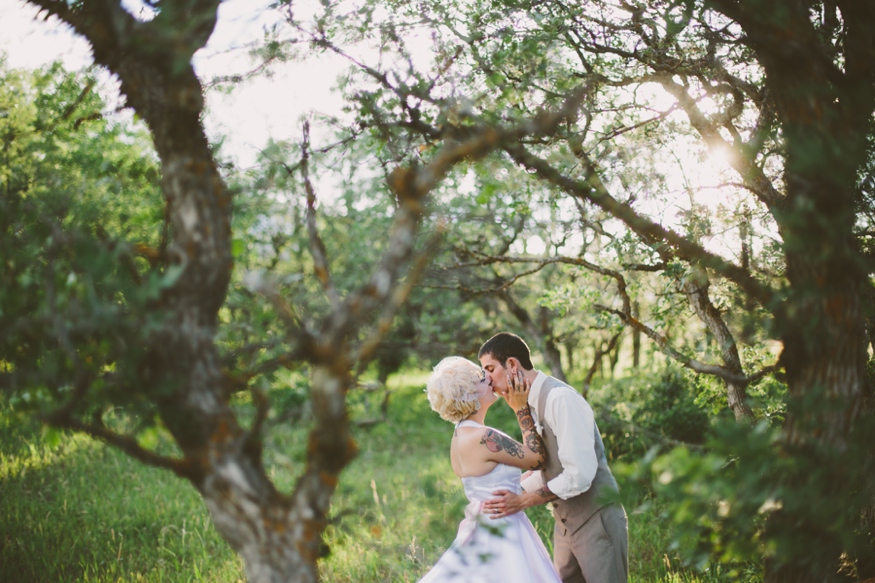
503, 550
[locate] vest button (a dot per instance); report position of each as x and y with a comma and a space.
563, 521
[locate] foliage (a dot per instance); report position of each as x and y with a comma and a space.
638, 413
79, 199
670, 407
731, 503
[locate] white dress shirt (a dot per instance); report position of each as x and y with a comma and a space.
571, 419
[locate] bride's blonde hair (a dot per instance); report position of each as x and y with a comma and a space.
452, 388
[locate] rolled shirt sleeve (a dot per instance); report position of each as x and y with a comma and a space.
534, 482
572, 421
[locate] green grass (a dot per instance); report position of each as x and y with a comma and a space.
80, 511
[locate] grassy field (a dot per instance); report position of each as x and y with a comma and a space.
80, 511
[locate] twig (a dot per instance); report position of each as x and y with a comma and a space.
317, 247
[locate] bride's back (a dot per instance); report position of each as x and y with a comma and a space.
467, 454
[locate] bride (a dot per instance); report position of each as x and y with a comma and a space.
488, 548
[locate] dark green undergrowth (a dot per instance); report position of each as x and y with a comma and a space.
75, 510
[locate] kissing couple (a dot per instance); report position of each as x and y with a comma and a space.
564, 461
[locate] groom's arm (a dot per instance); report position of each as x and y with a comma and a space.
537, 497
572, 421
506, 502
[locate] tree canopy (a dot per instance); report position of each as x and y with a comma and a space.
695, 173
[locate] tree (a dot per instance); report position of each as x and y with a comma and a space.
145, 327
784, 91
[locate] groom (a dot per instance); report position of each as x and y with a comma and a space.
590, 540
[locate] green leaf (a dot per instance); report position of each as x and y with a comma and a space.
486, 194
148, 438
171, 275
51, 436
238, 246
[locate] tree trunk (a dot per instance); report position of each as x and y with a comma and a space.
614, 357
825, 112
696, 289
571, 343
551, 350
866, 561
553, 359
825, 370
277, 536
825, 359
272, 538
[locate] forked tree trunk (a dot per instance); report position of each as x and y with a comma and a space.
262, 527
696, 289
278, 536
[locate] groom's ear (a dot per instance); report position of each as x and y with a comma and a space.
512, 364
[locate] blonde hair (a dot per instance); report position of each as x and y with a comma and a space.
452, 388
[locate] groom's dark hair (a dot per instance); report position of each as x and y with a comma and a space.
505, 345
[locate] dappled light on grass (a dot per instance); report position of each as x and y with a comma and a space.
79, 511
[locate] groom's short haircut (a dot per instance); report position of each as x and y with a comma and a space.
505, 345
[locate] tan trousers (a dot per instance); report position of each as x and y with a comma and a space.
597, 552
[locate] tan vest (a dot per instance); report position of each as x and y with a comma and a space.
574, 512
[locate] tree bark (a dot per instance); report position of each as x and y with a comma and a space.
614, 358
554, 359
571, 343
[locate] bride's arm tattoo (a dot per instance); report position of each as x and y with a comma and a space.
495, 442
530, 436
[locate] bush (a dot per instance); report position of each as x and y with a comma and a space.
670, 408
635, 414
